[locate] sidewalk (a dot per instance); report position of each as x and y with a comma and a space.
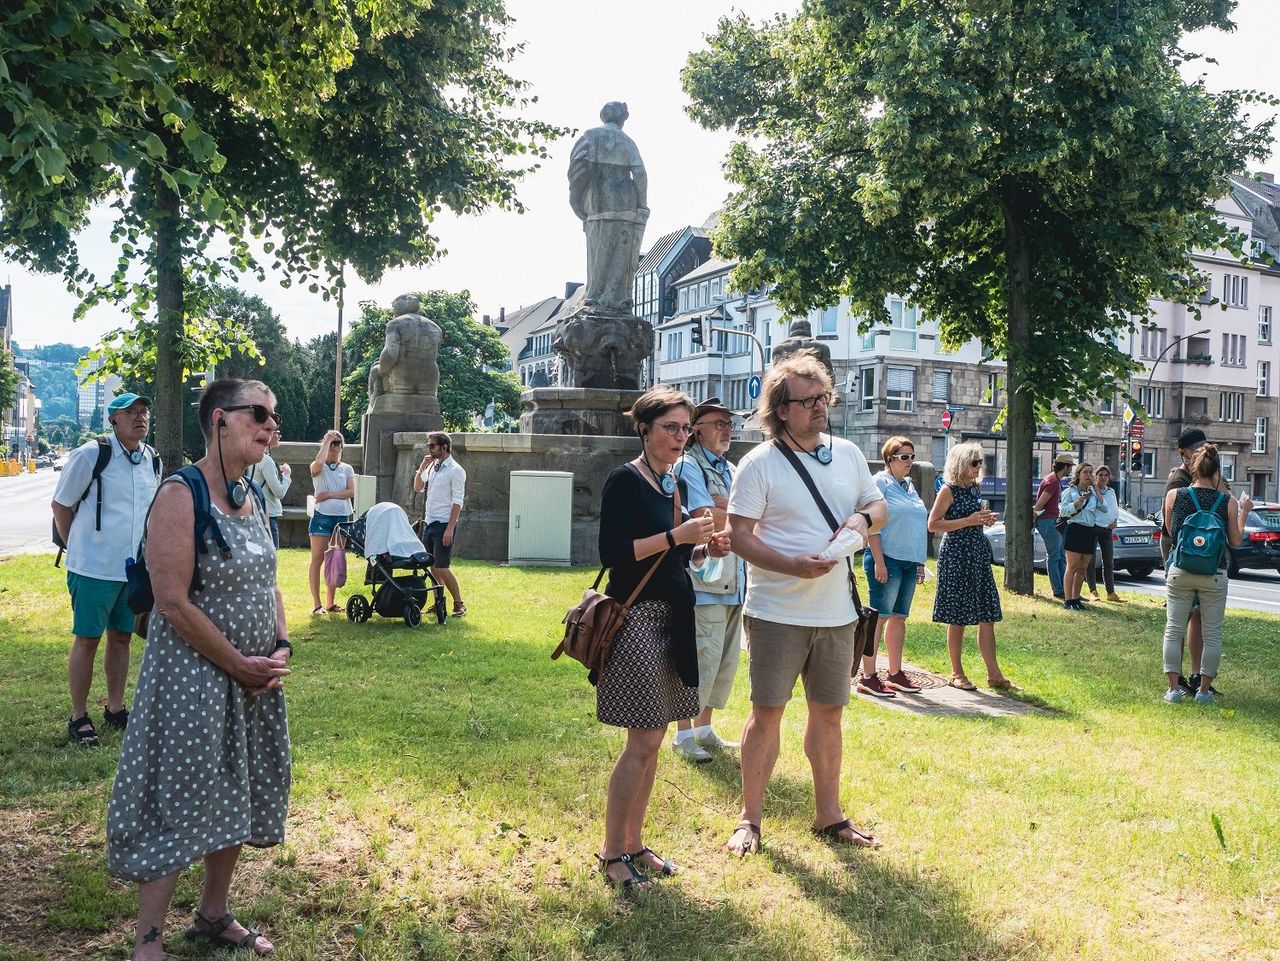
937, 698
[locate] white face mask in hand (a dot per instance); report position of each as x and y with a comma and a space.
847, 541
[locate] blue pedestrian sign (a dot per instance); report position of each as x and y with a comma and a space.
753, 387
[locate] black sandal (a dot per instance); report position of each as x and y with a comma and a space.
667, 870
202, 929
754, 839
80, 730
637, 880
116, 719
860, 839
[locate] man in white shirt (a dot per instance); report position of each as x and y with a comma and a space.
101, 521
274, 480
799, 617
445, 482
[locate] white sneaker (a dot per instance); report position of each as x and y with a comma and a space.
716, 742
1173, 697
690, 750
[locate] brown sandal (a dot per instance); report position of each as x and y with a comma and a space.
210, 932
754, 839
860, 839
961, 683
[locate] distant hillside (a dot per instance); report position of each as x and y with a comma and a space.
53, 371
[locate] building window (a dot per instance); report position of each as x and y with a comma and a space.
942, 386
1151, 399
1264, 378
1154, 341
1228, 464
867, 378
990, 390
869, 339
704, 294
1264, 325
900, 389
1108, 405
715, 289
825, 321
1235, 290
1231, 407
902, 325
1233, 350
674, 344
1260, 436
684, 300
1148, 463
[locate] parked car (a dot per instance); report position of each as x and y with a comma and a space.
1260, 546
1136, 545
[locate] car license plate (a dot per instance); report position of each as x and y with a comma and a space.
1140, 539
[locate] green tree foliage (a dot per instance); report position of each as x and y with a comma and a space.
8, 380
1029, 172
334, 130
467, 352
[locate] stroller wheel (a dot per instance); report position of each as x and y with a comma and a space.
412, 614
441, 609
358, 609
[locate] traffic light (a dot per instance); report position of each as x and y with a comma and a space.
695, 335
1135, 456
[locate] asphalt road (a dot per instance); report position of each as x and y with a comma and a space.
25, 516
1252, 590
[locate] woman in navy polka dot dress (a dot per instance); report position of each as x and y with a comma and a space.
205, 765
966, 592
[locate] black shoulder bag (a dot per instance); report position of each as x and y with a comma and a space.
864, 634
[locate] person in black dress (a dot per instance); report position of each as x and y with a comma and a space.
651, 677
967, 592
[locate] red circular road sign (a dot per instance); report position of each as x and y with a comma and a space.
946, 420
1137, 429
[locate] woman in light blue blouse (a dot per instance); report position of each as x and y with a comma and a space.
1077, 507
1105, 518
894, 563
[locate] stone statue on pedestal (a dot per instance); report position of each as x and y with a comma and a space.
800, 338
405, 378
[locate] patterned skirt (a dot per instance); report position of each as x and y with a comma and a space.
640, 686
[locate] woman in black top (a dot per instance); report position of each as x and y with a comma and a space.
651, 677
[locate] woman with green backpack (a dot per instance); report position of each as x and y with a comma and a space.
1203, 521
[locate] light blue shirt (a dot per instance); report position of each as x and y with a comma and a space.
1067, 506
905, 535
1108, 509
688, 470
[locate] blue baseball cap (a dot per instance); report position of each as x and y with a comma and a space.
123, 401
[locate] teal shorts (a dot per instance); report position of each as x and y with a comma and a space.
98, 606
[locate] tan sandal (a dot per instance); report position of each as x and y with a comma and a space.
962, 683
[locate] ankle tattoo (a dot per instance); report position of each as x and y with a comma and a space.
152, 935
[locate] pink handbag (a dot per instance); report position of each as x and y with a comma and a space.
335, 562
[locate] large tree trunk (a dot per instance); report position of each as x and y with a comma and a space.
167, 413
1019, 424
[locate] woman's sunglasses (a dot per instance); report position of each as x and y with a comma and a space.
975, 463
902, 457
260, 412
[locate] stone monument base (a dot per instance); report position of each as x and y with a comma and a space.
590, 411
377, 433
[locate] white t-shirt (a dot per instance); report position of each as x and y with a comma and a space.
446, 485
332, 481
768, 489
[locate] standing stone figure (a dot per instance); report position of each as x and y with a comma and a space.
800, 339
608, 191
406, 377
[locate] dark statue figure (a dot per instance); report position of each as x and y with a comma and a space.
800, 338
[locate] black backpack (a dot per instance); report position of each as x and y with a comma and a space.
104, 458
139, 594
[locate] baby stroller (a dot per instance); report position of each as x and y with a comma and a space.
383, 536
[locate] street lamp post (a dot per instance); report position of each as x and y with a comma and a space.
722, 315
1168, 347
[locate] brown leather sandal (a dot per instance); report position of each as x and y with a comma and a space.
210, 932
754, 839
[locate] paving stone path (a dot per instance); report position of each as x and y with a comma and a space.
936, 697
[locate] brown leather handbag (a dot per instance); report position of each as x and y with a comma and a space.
591, 625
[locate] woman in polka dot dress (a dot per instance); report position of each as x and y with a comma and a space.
966, 592
205, 766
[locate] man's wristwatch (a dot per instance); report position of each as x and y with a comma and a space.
284, 642
866, 517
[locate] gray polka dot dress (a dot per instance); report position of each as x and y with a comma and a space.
966, 591
204, 766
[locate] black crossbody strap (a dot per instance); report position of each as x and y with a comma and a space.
790, 455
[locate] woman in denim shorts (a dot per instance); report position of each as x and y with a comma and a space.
894, 563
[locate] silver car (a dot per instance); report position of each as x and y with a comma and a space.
1135, 543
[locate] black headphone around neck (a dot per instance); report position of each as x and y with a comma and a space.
237, 491
821, 453
667, 481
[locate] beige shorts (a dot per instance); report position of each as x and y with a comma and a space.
780, 653
719, 642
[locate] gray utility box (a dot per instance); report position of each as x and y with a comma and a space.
540, 529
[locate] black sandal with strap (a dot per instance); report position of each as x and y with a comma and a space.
636, 880
754, 839
202, 929
80, 730
666, 871
860, 839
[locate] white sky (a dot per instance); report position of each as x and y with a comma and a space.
578, 55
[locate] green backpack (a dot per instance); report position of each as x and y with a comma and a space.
1201, 539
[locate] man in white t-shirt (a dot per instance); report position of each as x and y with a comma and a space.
799, 617
100, 515
445, 482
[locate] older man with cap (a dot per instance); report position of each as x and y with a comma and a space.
1045, 510
1189, 441
99, 510
719, 586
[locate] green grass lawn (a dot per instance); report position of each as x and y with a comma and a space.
449, 786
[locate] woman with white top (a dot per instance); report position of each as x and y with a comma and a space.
1105, 517
335, 488
1077, 507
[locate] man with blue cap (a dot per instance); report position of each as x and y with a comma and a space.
99, 511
